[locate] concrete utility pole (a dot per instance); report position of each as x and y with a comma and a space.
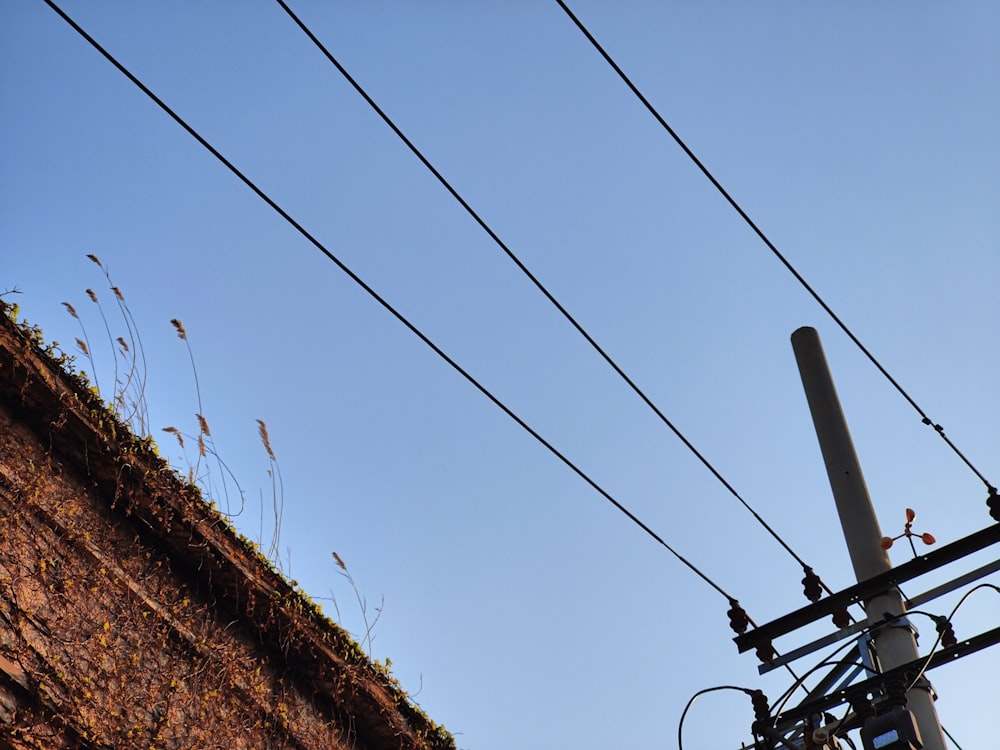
894, 645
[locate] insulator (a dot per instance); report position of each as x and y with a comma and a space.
895, 692
944, 627
842, 618
739, 621
766, 652
761, 710
812, 587
993, 503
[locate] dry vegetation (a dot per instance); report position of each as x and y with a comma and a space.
131, 612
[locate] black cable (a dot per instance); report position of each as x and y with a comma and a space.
770, 245
534, 280
953, 740
828, 661
371, 292
940, 636
696, 696
374, 295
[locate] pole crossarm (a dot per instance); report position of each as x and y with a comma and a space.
873, 685
861, 592
848, 663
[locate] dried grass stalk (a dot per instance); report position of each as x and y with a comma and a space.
265, 439
203, 426
179, 327
176, 433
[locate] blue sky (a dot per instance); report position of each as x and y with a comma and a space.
524, 608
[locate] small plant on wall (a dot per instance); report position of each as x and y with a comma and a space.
124, 389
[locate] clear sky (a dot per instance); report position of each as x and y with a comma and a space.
520, 608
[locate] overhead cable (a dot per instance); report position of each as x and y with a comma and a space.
770, 245
541, 287
755, 695
382, 301
395, 313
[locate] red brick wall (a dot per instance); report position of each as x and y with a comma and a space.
110, 644
133, 616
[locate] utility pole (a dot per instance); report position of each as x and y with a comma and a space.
895, 643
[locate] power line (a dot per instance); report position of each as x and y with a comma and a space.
538, 284
395, 313
770, 245
384, 303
